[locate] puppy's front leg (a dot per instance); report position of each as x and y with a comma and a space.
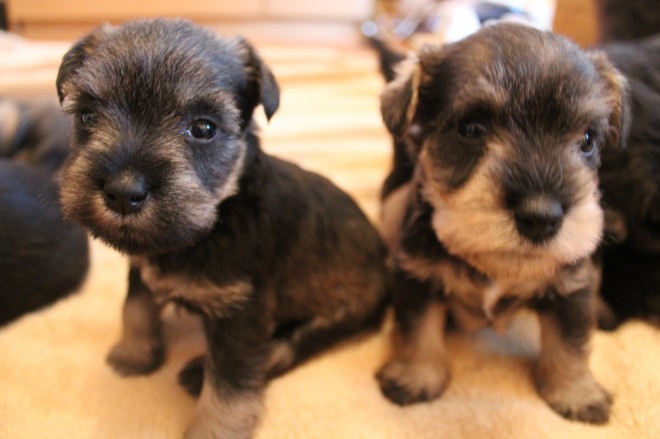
418, 369
141, 349
563, 376
230, 404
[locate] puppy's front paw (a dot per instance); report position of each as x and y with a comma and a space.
584, 401
408, 383
136, 358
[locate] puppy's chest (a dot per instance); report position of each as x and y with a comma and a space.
195, 291
474, 299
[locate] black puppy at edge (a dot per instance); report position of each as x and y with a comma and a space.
493, 203
630, 182
166, 166
43, 258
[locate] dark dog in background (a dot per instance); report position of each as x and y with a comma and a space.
34, 131
630, 178
493, 203
630, 182
166, 166
627, 20
42, 257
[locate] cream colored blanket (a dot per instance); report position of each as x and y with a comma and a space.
54, 382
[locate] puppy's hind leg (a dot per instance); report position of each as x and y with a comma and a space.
299, 342
562, 376
418, 369
141, 349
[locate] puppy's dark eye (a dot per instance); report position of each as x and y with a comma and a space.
471, 130
87, 118
588, 143
202, 129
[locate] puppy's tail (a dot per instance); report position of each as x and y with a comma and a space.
388, 57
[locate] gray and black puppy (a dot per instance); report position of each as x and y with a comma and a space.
493, 204
166, 166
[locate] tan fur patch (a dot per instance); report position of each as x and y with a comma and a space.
392, 215
10, 120
473, 225
212, 299
227, 416
420, 363
473, 301
231, 185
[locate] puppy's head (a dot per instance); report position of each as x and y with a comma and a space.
161, 110
506, 127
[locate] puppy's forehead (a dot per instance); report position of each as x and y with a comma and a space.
162, 60
518, 70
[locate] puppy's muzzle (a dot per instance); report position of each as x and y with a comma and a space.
125, 193
538, 217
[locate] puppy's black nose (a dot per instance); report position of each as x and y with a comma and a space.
125, 193
538, 217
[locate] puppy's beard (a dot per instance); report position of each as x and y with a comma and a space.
174, 216
158, 227
474, 225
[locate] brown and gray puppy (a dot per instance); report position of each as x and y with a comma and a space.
495, 204
166, 166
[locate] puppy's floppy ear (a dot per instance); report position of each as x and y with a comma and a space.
616, 85
75, 58
398, 102
261, 87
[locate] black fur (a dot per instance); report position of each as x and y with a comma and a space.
630, 182
43, 258
627, 20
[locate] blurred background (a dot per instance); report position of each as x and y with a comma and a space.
301, 21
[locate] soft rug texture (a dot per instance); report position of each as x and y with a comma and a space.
54, 382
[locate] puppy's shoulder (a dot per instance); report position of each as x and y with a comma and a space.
287, 184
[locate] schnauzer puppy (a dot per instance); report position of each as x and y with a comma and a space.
166, 166
493, 204
42, 257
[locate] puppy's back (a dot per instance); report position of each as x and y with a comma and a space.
323, 239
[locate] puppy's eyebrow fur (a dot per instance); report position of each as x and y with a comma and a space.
219, 103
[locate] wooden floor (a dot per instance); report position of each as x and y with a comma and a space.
328, 120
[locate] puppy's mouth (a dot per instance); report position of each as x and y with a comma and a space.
140, 225
532, 240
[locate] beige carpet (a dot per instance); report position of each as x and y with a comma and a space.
54, 382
